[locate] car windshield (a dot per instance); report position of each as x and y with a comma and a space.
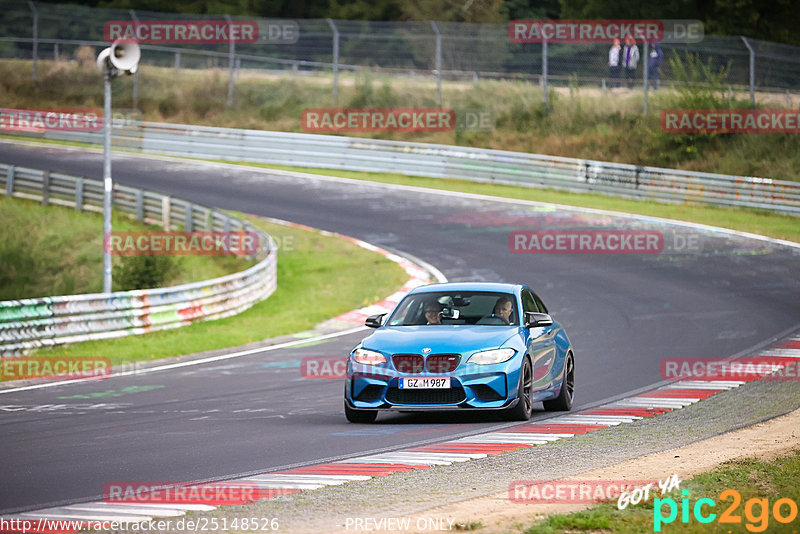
456, 307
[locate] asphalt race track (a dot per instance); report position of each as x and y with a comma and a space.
706, 294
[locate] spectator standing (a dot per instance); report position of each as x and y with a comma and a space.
654, 64
613, 63
630, 59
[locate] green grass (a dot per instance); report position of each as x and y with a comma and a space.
746, 220
578, 122
319, 277
752, 478
55, 250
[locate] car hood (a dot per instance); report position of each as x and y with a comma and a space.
460, 339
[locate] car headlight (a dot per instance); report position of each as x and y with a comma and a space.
487, 357
368, 357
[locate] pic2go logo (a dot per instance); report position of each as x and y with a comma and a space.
756, 511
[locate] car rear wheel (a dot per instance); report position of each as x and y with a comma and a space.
524, 407
563, 402
359, 416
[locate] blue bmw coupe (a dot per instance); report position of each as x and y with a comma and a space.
455, 346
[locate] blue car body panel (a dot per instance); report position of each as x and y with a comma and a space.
473, 386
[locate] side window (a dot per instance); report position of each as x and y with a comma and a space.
528, 304
540, 304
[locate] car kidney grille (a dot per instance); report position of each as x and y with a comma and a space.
442, 363
408, 363
435, 363
425, 396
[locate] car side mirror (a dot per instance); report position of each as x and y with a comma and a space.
533, 319
375, 321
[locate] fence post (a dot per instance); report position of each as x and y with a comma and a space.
139, 205
45, 188
187, 223
231, 55
35, 36
752, 71
438, 63
165, 207
10, 181
79, 194
544, 72
177, 61
645, 59
135, 74
335, 61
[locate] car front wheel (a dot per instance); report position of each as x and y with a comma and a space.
359, 416
524, 407
563, 403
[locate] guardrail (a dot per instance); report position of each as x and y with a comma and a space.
40, 322
445, 161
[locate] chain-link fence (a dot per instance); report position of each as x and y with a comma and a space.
434, 50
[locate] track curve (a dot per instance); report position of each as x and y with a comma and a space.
624, 313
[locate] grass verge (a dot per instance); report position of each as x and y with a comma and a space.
55, 250
764, 481
319, 277
578, 121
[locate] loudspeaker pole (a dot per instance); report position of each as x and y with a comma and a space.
122, 57
107, 182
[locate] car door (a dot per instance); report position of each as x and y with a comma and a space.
541, 342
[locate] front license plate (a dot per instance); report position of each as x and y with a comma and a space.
425, 383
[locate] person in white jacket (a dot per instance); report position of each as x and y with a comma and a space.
630, 58
614, 54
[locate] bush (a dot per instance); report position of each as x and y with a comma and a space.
698, 86
143, 272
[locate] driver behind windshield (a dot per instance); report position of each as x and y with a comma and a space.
433, 312
503, 308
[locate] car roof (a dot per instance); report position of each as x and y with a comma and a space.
469, 286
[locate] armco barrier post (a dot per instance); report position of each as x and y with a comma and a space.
10, 181
79, 194
45, 188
